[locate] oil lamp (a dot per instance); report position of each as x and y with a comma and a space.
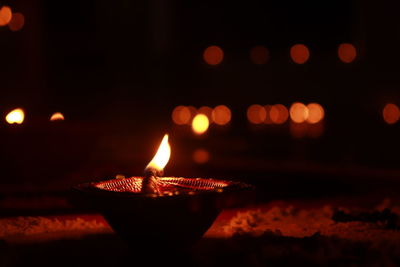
161, 211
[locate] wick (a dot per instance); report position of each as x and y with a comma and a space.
150, 181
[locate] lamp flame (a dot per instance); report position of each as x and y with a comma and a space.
15, 116
162, 156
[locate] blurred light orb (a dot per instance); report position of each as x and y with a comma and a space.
201, 156
5, 15
181, 115
17, 22
16, 116
268, 119
316, 113
298, 112
259, 55
213, 55
391, 113
221, 115
299, 53
58, 116
278, 114
200, 124
347, 52
206, 111
256, 114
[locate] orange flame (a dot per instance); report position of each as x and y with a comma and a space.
162, 156
15, 116
58, 116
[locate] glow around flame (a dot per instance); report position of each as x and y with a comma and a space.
162, 156
15, 116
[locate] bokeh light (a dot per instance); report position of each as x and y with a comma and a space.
298, 130
5, 15
206, 111
391, 113
259, 55
58, 116
299, 53
221, 115
181, 115
213, 55
200, 124
298, 112
16, 116
278, 114
201, 156
256, 114
316, 113
17, 22
267, 114
347, 52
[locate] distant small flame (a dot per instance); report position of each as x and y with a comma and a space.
15, 116
162, 156
57, 117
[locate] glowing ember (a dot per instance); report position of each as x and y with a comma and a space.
200, 124
57, 117
15, 116
162, 156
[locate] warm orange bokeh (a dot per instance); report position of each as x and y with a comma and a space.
181, 115
58, 116
221, 115
17, 22
201, 156
16, 116
200, 124
278, 114
259, 55
5, 15
316, 113
347, 52
267, 114
298, 112
298, 130
206, 111
299, 53
256, 114
213, 55
391, 113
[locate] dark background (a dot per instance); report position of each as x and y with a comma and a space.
116, 70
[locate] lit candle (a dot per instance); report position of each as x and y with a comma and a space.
156, 168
